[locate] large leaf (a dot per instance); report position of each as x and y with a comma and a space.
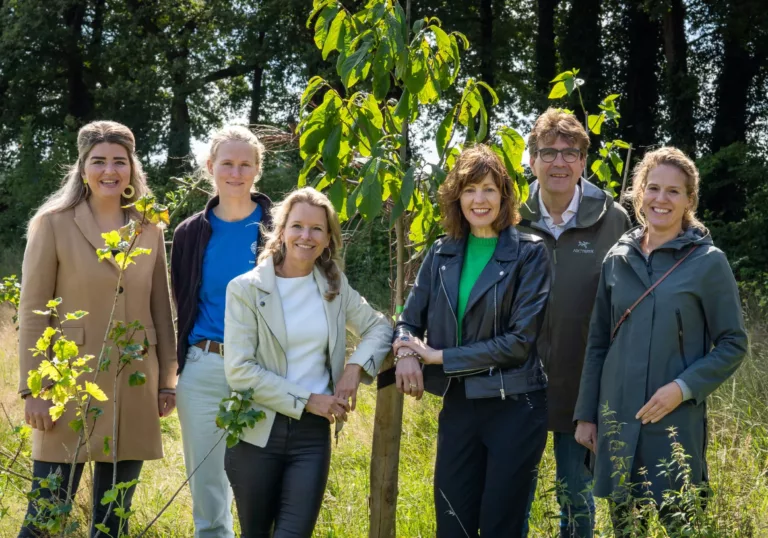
445, 132
331, 152
335, 38
315, 83
352, 70
94, 390
322, 23
595, 122
602, 170
558, 91
309, 164
371, 110
514, 146
416, 73
369, 203
382, 62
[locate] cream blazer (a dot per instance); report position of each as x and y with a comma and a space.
255, 341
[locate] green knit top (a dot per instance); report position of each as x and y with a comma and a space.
479, 253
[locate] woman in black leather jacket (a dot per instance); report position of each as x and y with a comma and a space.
479, 297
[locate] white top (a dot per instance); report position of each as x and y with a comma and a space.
568, 214
307, 329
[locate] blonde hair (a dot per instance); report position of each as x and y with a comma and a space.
672, 157
73, 189
555, 122
275, 247
233, 133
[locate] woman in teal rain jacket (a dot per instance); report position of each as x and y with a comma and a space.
679, 344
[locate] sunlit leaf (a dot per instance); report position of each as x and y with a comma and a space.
137, 379
94, 390
558, 91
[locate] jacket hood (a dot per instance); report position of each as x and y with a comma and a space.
691, 236
594, 203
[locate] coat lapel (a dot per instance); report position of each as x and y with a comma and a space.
332, 310
90, 230
270, 305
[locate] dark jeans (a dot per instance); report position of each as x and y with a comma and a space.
102, 482
574, 490
279, 488
487, 454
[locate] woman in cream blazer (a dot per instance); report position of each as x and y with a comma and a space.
285, 338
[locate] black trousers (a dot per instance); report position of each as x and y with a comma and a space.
487, 454
102, 482
279, 488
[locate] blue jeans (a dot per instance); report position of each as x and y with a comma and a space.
577, 505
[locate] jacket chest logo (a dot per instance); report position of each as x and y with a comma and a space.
583, 248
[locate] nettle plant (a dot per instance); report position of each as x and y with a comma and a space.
353, 142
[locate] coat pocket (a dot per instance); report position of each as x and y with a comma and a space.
680, 337
75, 334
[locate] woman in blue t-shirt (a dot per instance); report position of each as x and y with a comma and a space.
211, 248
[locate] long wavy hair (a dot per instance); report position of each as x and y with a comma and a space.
330, 265
672, 157
73, 189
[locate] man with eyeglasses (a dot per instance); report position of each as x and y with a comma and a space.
579, 223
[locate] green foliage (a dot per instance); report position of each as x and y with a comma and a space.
390, 74
236, 414
9, 293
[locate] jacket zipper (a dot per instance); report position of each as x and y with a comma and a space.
680, 339
495, 334
455, 319
649, 268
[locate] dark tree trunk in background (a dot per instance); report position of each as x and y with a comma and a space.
639, 117
257, 92
682, 91
581, 49
79, 98
546, 55
485, 48
96, 45
180, 129
738, 72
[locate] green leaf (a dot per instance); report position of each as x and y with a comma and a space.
112, 239
110, 496
353, 66
513, 146
94, 390
337, 194
331, 152
369, 203
407, 186
79, 314
482, 130
327, 15
445, 132
315, 83
564, 75
618, 164
494, 96
65, 349
107, 448
371, 110
56, 411
335, 38
558, 91
137, 379
44, 341
595, 122
416, 75
76, 425
621, 144
381, 67
53, 303
35, 382
601, 170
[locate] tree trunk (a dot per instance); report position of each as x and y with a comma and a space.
487, 63
257, 92
736, 77
79, 98
640, 102
546, 55
682, 91
581, 49
179, 162
388, 420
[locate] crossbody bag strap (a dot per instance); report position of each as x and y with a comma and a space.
629, 310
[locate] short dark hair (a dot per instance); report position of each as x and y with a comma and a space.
471, 167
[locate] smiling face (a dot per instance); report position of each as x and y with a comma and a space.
305, 235
557, 177
107, 170
480, 204
234, 169
665, 198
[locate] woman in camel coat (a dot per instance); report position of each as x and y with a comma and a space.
60, 261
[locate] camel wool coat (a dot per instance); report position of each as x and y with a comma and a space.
60, 261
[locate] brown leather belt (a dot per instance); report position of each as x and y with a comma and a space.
210, 345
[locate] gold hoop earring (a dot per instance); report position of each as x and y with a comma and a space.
129, 191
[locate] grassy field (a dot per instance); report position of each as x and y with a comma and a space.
738, 460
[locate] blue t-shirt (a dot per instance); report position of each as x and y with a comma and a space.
231, 251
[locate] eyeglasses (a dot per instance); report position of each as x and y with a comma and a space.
570, 155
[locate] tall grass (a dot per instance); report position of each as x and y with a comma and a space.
737, 455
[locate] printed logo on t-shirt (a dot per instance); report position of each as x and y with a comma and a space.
254, 248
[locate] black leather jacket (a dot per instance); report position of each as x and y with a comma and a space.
498, 355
